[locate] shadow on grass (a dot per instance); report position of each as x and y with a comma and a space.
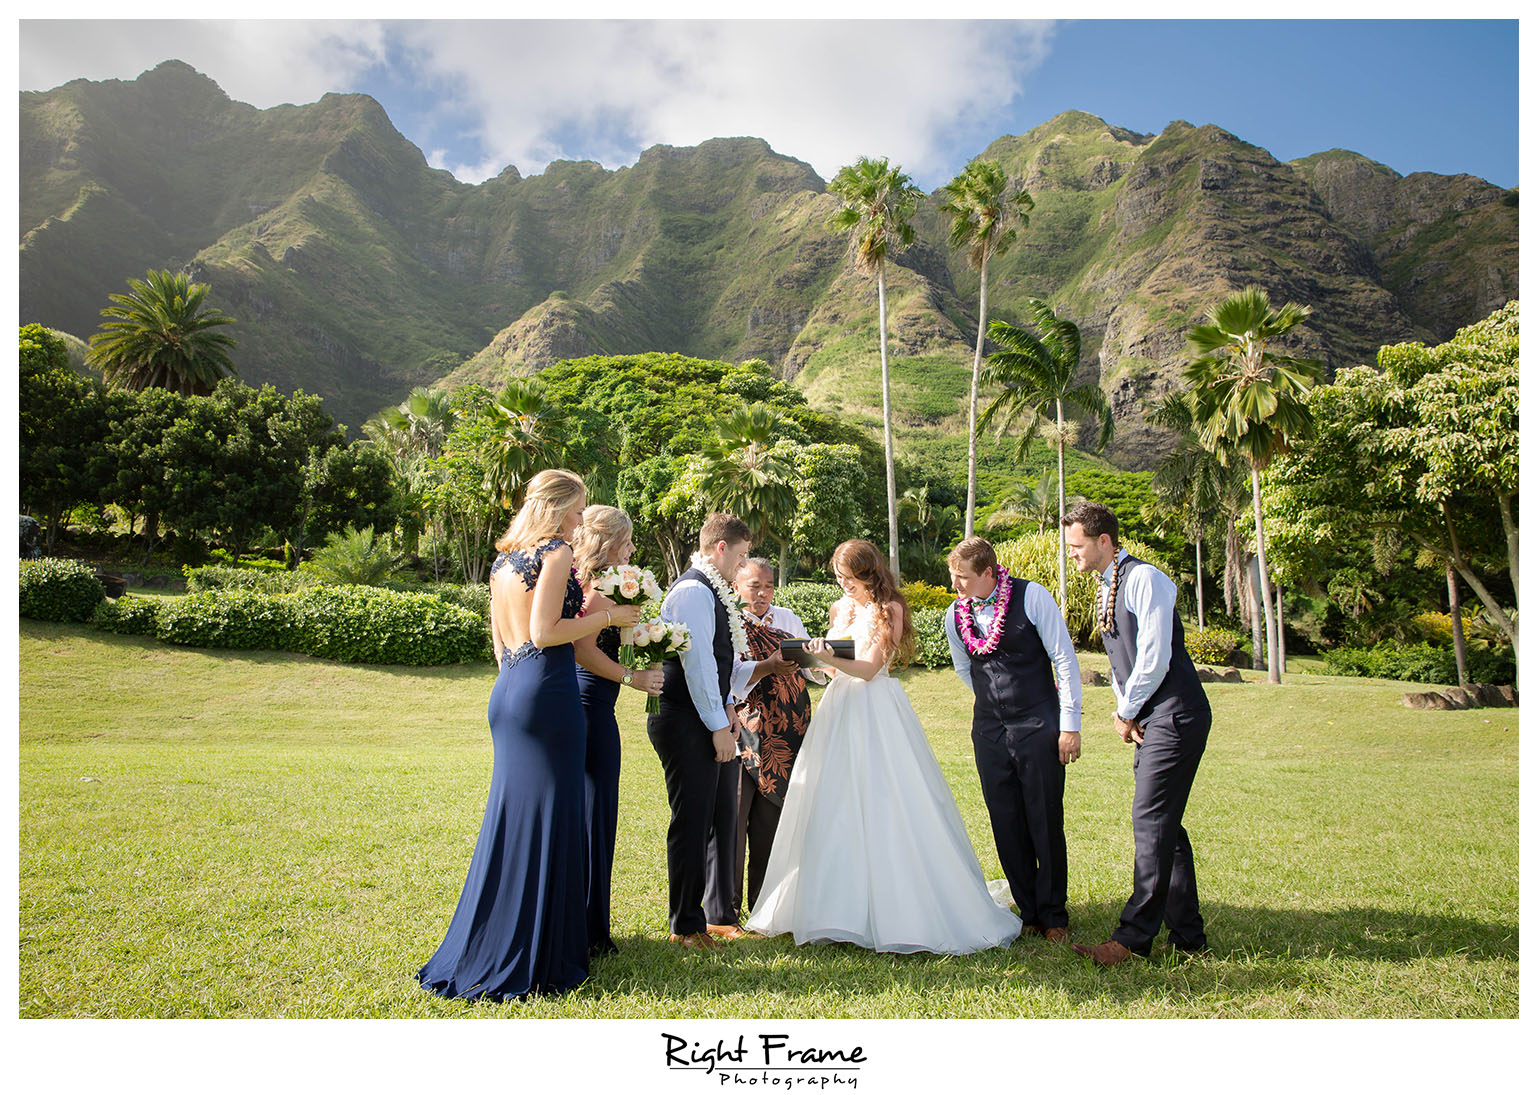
1260, 947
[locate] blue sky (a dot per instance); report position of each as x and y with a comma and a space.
475, 96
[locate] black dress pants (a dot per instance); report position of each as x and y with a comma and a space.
1022, 781
694, 783
1163, 869
757, 819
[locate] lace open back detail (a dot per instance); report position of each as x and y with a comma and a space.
527, 565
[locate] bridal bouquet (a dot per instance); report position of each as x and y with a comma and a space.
628, 585
651, 644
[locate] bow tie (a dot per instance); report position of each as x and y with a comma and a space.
979, 602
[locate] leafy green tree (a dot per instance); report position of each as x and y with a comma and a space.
161, 335
420, 424
830, 483
62, 420
665, 499
1039, 374
347, 486
744, 475
1247, 400
137, 481
877, 206
981, 209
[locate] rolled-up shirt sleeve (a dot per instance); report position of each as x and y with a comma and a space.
1150, 596
961, 661
694, 605
1041, 609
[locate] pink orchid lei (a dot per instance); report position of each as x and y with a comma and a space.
968, 633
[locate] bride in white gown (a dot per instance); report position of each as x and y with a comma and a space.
870, 848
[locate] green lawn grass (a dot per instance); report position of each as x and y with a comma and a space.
268, 835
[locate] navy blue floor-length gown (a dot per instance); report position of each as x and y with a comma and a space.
520, 925
603, 754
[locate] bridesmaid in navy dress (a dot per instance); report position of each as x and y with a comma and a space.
603, 541
520, 926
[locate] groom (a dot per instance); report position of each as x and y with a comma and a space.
695, 735
1012, 650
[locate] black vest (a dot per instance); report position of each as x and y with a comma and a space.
675, 687
1180, 690
1016, 683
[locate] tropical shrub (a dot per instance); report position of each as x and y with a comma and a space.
381, 626
205, 579
128, 615
810, 601
923, 595
1419, 662
62, 590
354, 557
1211, 645
231, 619
932, 648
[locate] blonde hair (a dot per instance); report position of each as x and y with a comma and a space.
602, 528
551, 497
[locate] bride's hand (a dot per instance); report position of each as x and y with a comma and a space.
818, 648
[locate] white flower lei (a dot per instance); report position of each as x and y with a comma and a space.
701, 562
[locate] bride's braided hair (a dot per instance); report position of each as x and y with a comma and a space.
862, 561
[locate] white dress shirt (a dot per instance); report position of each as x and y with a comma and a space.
1149, 595
1041, 609
693, 604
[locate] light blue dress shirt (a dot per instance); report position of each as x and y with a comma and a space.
1041, 609
693, 604
1149, 595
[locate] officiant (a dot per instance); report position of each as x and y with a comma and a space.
775, 712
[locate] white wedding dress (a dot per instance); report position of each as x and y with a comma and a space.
871, 848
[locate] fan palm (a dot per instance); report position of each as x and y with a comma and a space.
744, 476
160, 335
421, 424
981, 213
1039, 374
1249, 401
877, 206
1023, 502
519, 442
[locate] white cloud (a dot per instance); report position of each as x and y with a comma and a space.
258, 61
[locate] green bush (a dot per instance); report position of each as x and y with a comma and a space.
931, 647
206, 579
381, 626
810, 601
355, 557
923, 595
1419, 662
128, 615
229, 619
1212, 645
62, 590
474, 596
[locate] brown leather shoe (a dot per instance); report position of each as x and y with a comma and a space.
1057, 935
725, 932
695, 941
1104, 954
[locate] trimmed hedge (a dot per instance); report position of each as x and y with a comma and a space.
1420, 662
61, 590
923, 595
810, 601
128, 615
208, 579
931, 647
1212, 645
345, 623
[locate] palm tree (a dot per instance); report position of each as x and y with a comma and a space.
1248, 401
980, 215
1039, 375
160, 335
421, 424
1023, 502
520, 441
744, 476
878, 203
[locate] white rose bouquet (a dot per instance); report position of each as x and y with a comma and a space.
653, 643
628, 585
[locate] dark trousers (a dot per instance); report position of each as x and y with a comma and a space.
723, 878
1022, 780
1163, 870
694, 784
757, 820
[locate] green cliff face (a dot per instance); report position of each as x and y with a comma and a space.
357, 271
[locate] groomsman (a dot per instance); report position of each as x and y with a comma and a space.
1017, 658
1163, 711
695, 735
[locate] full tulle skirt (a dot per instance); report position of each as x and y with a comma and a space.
871, 848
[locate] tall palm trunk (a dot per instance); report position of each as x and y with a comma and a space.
1281, 633
886, 430
977, 368
1251, 595
1201, 602
1062, 506
1273, 669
